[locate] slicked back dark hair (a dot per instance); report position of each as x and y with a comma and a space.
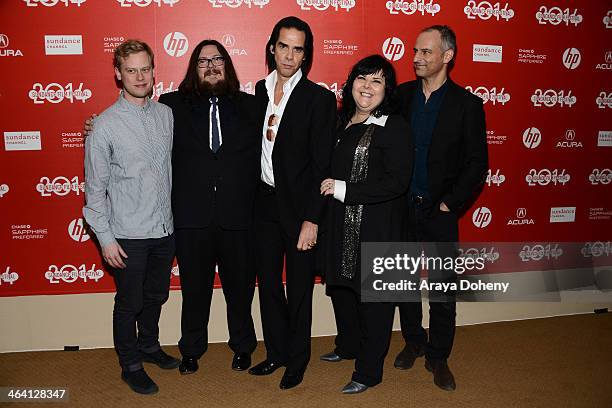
300, 25
369, 65
190, 85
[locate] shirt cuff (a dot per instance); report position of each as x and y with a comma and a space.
105, 238
339, 190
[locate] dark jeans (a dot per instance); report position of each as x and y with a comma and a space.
432, 226
142, 289
198, 250
286, 319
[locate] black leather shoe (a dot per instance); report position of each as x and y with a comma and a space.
331, 357
405, 359
443, 377
264, 368
354, 387
291, 380
139, 381
161, 359
189, 365
241, 361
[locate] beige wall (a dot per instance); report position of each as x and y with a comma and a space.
51, 322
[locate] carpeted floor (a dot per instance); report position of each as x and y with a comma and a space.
553, 362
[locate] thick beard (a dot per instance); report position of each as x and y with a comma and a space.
220, 88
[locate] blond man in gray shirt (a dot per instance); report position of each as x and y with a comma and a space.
127, 188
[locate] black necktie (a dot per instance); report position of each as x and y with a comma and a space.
214, 125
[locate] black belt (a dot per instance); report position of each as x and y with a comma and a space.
266, 187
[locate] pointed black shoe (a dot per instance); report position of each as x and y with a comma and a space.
241, 361
354, 387
264, 368
189, 365
331, 357
161, 359
291, 380
139, 381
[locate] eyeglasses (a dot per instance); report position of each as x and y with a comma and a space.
272, 122
215, 61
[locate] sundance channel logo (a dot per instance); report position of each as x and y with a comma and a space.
20, 141
63, 45
487, 53
562, 214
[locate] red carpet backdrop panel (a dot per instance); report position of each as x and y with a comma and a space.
542, 68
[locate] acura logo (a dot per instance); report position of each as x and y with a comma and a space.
521, 213
4, 41
228, 40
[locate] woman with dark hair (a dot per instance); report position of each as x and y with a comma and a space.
370, 175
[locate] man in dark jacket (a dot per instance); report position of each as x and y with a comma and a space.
297, 138
215, 165
448, 126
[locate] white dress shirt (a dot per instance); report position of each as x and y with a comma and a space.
340, 185
267, 173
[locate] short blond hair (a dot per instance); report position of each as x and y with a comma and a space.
129, 47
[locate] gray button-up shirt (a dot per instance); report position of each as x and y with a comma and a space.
128, 172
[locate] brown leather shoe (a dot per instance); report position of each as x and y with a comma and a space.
405, 359
443, 377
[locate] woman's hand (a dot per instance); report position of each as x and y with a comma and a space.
327, 186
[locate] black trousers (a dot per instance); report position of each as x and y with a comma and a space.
198, 251
364, 332
432, 226
286, 317
142, 289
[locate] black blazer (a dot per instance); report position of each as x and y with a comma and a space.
457, 160
302, 152
382, 193
208, 187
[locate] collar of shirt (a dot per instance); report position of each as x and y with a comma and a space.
435, 99
125, 104
381, 121
288, 86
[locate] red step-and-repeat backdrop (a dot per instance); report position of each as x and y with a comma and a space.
542, 68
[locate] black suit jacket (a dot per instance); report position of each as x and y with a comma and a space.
302, 152
208, 187
457, 160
